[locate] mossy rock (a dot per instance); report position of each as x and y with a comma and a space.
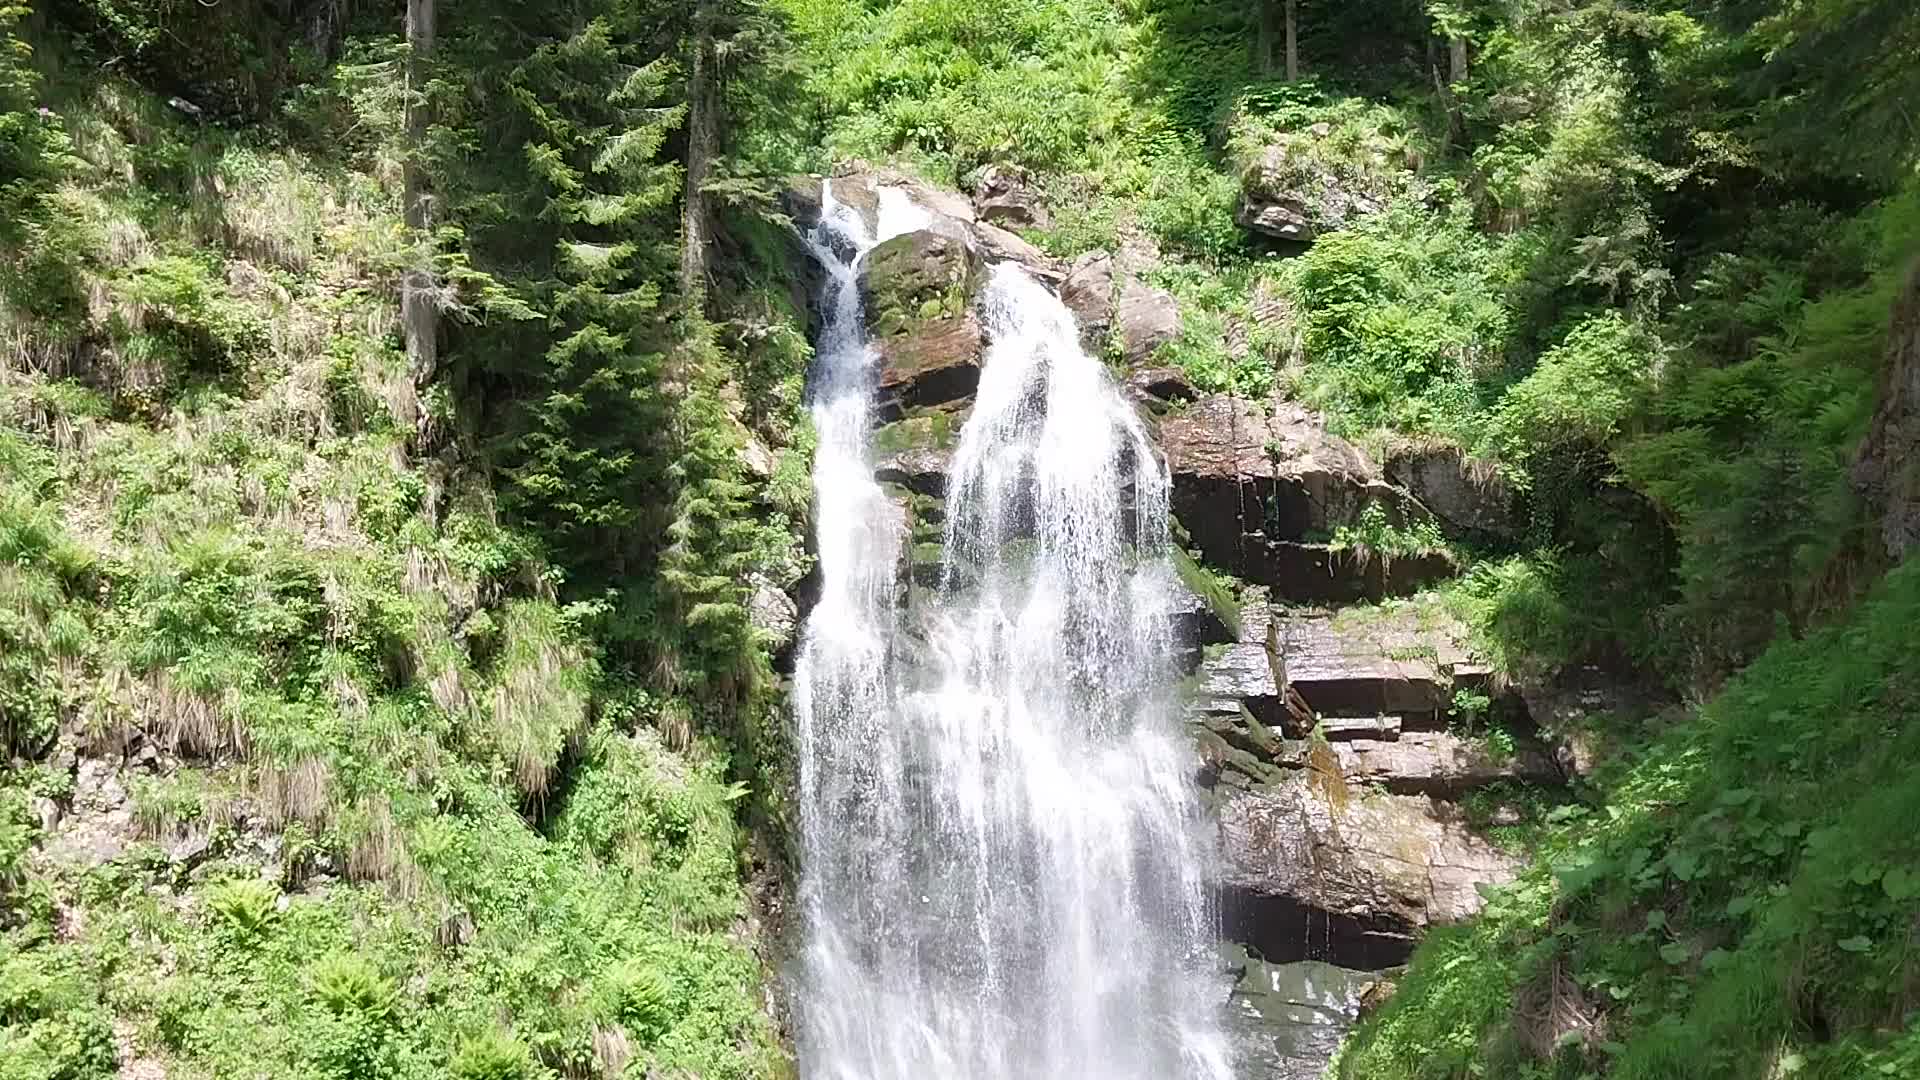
922, 429
919, 277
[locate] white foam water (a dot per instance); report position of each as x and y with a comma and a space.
1002, 856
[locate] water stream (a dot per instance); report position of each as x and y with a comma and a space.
1003, 859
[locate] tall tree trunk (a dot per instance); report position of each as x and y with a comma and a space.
1268, 29
419, 312
702, 134
1293, 41
1457, 54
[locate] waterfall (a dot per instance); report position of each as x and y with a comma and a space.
1001, 849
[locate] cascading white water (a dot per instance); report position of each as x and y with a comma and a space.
1001, 849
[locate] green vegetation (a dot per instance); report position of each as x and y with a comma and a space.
440, 739
1740, 904
420, 728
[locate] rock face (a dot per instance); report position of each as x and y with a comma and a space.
1319, 574
1165, 385
1404, 662
774, 616
99, 824
1006, 195
1887, 470
1240, 467
919, 289
1377, 867
1467, 498
1254, 484
1335, 777
1287, 1019
1147, 317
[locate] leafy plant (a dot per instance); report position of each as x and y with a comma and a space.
249, 907
496, 1055
345, 982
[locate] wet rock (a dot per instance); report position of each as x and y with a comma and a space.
1246, 474
916, 451
1147, 318
1162, 384
1247, 672
1286, 1020
921, 469
1196, 625
1468, 497
1088, 293
929, 273
1006, 195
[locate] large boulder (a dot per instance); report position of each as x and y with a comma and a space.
1147, 317
1245, 473
1887, 470
1088, 293
919, 289
1006, 195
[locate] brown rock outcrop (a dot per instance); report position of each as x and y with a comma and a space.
919, 290
1242, 469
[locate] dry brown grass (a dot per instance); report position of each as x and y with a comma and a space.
1550, 1011
378, 852
189, 722
299, 792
